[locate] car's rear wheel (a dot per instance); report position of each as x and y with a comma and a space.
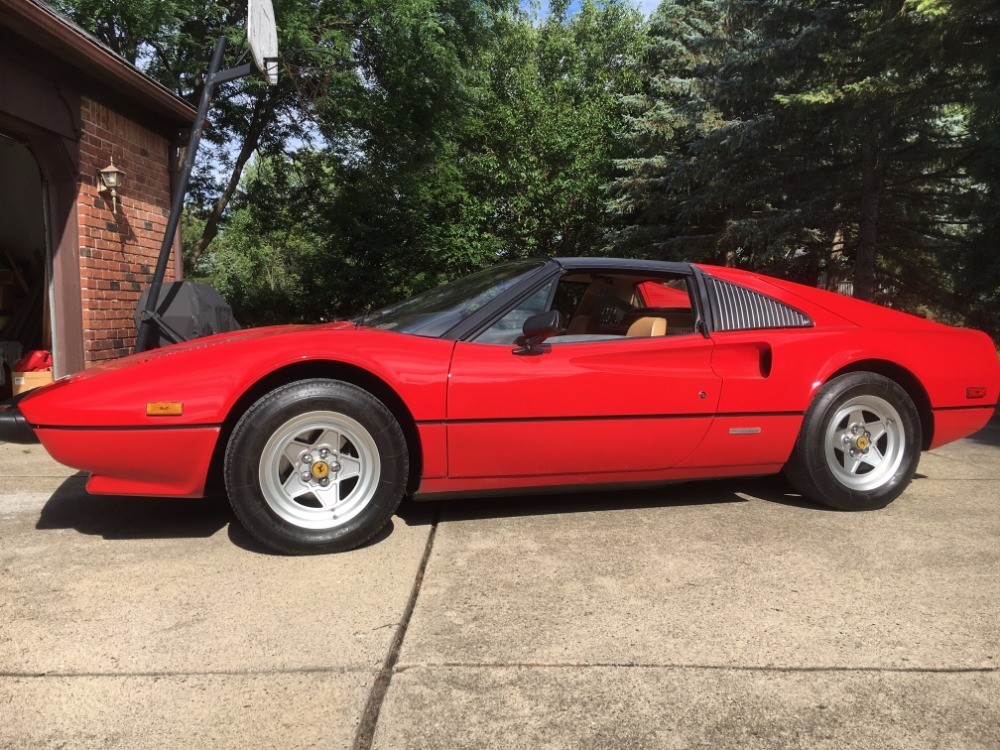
859, 444
316, 466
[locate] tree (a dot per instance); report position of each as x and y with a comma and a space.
349, 211
486, 142
537, 147
331, 51
661, 161
840, 144
968, 33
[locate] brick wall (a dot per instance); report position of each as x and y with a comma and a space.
118, 251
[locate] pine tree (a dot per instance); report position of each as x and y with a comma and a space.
969, 32
660, 164
838, 141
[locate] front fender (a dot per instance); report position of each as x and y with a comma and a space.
208, 376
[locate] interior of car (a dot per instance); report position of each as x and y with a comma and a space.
602, 307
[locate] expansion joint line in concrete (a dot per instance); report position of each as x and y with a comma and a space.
156, 674
692, 667
376, 696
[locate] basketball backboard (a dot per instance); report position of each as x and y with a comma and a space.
262, 34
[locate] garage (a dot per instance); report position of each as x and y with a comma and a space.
25, 320
75, 256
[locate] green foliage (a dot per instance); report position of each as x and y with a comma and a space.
536, 147
969, 33
827, 140
173, 41
660, 202
840, 142
470, 137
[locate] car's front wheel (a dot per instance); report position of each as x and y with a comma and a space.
316, 466
859, 444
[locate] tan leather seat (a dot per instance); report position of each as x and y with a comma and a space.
646, 327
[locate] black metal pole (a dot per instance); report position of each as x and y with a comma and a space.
180, 190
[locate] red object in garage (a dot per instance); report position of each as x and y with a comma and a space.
38, 360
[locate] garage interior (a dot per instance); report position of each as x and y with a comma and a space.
25, 322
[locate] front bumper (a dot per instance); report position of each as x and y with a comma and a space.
161, 461
14, 428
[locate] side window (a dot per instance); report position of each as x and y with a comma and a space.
669, 299
632, 306
668, 294
569, 295
509, 327
604, 307
736, 308
610, 309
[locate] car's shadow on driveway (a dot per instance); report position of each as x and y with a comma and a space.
714, 492
990, 434
121, 517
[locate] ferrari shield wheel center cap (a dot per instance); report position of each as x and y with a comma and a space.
862, 443
320, 469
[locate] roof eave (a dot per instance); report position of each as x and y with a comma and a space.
46, 28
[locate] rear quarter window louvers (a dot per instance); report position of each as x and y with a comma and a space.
736, 308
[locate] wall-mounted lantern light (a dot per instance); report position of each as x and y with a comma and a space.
112, 178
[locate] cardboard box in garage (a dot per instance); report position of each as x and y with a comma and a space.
26, 381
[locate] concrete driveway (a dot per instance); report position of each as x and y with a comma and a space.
706, 615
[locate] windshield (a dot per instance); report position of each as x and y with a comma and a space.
437, 311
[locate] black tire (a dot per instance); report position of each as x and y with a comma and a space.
823, 474
381, 485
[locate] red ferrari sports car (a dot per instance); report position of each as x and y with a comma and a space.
532, 375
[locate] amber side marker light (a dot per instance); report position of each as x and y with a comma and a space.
975, 391
164, 409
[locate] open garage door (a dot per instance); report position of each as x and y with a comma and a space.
25, 321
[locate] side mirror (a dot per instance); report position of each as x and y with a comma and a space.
536, 329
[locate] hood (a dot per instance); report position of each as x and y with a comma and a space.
218, 340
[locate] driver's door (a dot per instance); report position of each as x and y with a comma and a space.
581, 411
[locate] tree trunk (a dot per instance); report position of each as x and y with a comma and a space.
259, 119
871, 194
835, 259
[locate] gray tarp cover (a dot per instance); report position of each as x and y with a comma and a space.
191, 309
